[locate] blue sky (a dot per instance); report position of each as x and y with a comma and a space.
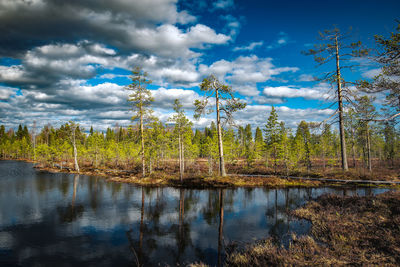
71, 60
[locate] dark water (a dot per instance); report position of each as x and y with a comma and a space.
68, 220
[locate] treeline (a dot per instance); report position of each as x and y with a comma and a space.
281, 149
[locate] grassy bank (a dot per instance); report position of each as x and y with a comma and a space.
159, 178
168, 175
355, 231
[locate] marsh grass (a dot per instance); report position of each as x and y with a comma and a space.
349, 230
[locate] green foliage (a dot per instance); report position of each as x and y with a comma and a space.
273, 137
388, 58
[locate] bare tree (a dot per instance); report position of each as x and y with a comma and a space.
73, 126
332, 47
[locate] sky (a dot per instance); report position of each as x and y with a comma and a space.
71, 60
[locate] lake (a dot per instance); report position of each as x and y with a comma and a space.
60, 219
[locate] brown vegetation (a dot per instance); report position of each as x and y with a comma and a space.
167, 174
355, 231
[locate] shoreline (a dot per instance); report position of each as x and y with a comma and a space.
198, 181
157, 179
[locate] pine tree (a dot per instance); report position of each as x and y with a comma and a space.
366, 113
333, 48
141, 100
388, 57
182, 126
223, 93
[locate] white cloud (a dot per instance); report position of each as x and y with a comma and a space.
245, 69
6, 92
281, 40
257, 115
170, 41
233, 25
164, 98
111, 76
249, 47
319, 92
247, 90
268, 100
370, 74
306, 78
223, 4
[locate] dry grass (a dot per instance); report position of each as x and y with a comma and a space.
355, 231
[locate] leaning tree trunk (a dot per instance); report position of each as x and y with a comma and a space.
220, 145
340, 102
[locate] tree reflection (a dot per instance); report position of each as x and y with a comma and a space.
72, 211
221, 227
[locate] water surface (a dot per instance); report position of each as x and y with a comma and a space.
63, 219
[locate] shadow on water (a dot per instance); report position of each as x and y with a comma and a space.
80, 220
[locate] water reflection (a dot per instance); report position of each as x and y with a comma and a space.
78, 220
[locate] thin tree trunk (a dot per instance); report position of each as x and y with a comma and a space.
183, 156
150, 165
180, 157
220, 145
142, 142
353, 149
369, 150
210, 167
340, 102
75, 150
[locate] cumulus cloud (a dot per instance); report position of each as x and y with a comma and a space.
164, 98
246, 69
6, 92
101, 105
43, 67
113, 22
318, 92
370, 74
245, 72
257, 115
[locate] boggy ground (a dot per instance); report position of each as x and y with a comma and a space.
167, 174
190, 180
355, 231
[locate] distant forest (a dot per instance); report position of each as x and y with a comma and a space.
274, 146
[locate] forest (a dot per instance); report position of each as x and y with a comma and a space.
357, 136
